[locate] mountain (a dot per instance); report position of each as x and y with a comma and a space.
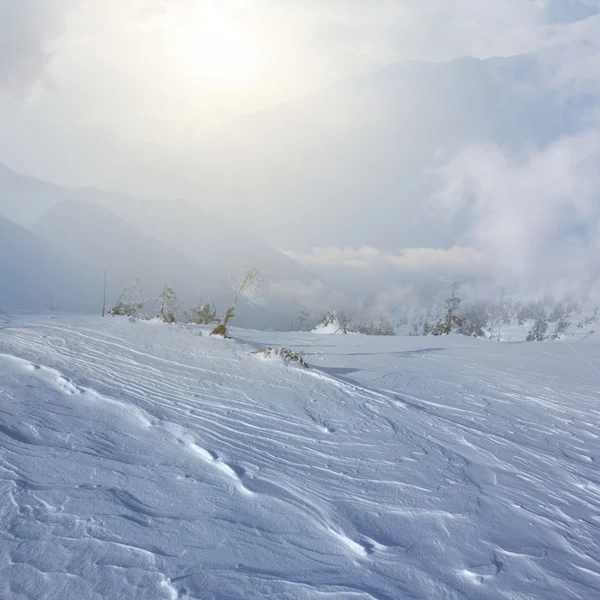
220, 246
35, 274
354, 164
24, 199
100, 238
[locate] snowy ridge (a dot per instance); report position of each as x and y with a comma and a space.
145, 461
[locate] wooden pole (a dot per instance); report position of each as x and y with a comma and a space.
104, 298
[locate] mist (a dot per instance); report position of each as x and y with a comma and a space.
362, 157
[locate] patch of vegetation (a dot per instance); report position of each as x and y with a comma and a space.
167, 300
221, 328
248, 287
129, 303
283, 353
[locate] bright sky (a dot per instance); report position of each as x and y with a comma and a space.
170, 72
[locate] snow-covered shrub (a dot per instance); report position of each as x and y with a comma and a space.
538, 332
474, 319
331, 323
167, 301
221, 328
560, 329
130, 302
284, 354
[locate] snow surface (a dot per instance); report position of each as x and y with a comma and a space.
145, 461
331, 327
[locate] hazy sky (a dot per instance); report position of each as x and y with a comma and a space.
120, 93
93, 75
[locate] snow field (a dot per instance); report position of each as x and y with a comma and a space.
144, 461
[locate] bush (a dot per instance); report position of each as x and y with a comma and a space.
560, 329
538, 332
167, 300
283, 353
221, 329
335, 321
129, 303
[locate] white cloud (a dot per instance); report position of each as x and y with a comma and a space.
316, 296
451, 262
27, 30
119, 109
536, 216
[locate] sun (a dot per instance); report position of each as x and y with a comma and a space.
218, 52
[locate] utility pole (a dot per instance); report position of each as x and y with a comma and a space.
104, 299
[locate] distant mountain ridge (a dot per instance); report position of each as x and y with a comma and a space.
155, 241
361, 156
101, 239
216, 244
36, 274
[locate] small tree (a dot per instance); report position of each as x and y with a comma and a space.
475, 320
336, 321
302, 319
130, 302
452, 305
381, 326
560, 329
167, 300
248, 287
538, 332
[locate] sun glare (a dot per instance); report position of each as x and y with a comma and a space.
219, 53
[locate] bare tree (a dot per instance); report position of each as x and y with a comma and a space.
130, 302
248, 287
302, 319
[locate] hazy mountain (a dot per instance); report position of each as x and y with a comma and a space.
35, 274
352, 165
24, 199
218, 245
99, 237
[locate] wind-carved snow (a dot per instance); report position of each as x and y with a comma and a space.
146, 462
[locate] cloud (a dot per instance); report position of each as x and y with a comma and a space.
568, 11
451, 262
27, 30
535, 216
289, 295
121, 112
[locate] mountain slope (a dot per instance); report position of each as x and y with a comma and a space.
142, 461
99, 237
24, 199
103, 239
352, 165
220, 246
35, 274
